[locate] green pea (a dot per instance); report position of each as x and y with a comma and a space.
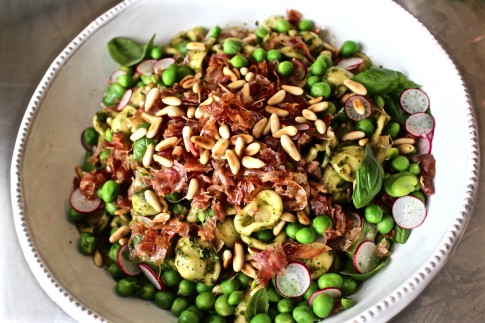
126, 80
305, 25
148, 291
392, 129
108, 134
115, 271
386, 224
347, 303
330, 280
186, 287
239, 61
400, 163
188, 316
312, 289
181, 47
284, 318
325, 59
109, 99
283, 26
87, 243
169, 76
117, 90
198, 312
164, 299
244, 279
113, 250
318, 68
312, 80
90, 136
261, 32
214, 318
235, 297
349, 286
179, 305
231, 46
292, 228
124, 288
306, 235
171, 278
261, 318
265, 235
285, 68
273, 295
222, 306
322, 223
110, 191
373, 213
402, 235
205, 301
274, 55
156, 52
414, 169
230, 285
183, 71
322, 305
214, 32
349, 48
286, 305
201, 287
322, 89
259, 55
391, 153
419, 195
146, 79
366, 126
179, 208
74, 215
304, 314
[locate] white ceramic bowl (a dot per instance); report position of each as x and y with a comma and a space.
47, 146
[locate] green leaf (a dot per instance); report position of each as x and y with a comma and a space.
394, 110
404, 83
368, 179
353, 274
378, 80
140, 147
128, 52
258, 303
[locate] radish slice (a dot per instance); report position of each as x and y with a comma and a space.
114, 76
420, 124
357, 220
152, 276
423, 145
350, 63
355, 110
365, 257
162, 64
332, 291
293, 280
125, 99
128, 267
408, 212
82, 204
414, 101
146, 67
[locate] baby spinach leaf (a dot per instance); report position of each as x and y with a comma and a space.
394, 109
368, 179
128, 52
140, 147
378, 80
258, 303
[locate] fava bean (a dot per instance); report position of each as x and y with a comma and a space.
215, 318
87, 243
259, 55
171, 278
286, 305
305, 25
283, 26
164, 299
74, 215
292, 228
201, 287
124, 288
312, 289
274, 55
261, 318
179, 305
231, 46
330, 280
366, 126
273, 295
400, 163
318, 68
284, 318
414, 169
110, 191
205, 301
322, 89
148, 291
304, 314
264, 235
285, 68
235, 297
261, 32
186, 287
373, 213
239, 61
156, 52
321, 223
115, 271
349, 286
230, 285
322, 305
349, 48
188, 316
214, 32
386, 224
223, 308
306, 235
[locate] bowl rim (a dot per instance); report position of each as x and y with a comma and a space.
381, 311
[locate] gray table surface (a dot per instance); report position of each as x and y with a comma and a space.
33, 32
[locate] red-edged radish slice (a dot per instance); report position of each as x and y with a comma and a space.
408, 212
128, 267
420, 124
365, 257
162, 64
350, 63
293, 280
332, 291
423, 145
358, 107
125, 99
82, 204
356, 218
152, 276
146, 67
114, 76
414, 101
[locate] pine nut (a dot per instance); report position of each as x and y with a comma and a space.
172, 100
303, 218
193, 187
109, 120
253, 251
259, 127
191, 112
405, 148
277, 98
290, 131
198, 113
154, 128
345, 97
320, 126
355, 87
198, 46
278, 227
249, 270
248, 257
204, 157
252, 163
239, 146
151, 98
196, 87
274, 123
187, 133
267, 128
188, 82
120, 233
363, 142
353, 135
207, 102
233, 161
228, 72
246, 138
300, 120
316, 100
358, 106
236, 85
123, 241
177, 151
252, 149
288, 217
171, 111
224, 131
244, 70
226, 258
246, 91
401, 141
318, 107
149, 117
138, 134
220, 148
163, 161
293, 90
309, 115
278, 111
290, 148
148, 156
152, 199
166, 143
254, 264
217, 290
236, 71
203, 142
329, 47
98, 259
238, 258
249, 77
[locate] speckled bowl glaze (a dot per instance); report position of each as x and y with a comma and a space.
47, 147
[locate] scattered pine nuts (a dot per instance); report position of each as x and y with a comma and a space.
166, 143
318, 107
252, 163
233, 161
228, 72
151, 98
246, 138
290, 148
278, 111
363, 142
198, 46
258, 127
148, 156
244, 70
226, 258
353, 135
300, 120
320, 126
172, 100
224, 131
154, 128
239, 146
203, 142
355, 87
236, 85
277, 98
193, 187
401, 141
278, 227
249, 77
120, 233
303, 218
238, 258
163, 161
290, 131
149, 117
316, 100
252, 149
98, 259
220, 148
293, 90
171, 111
274, 122
249, 270
191, 112
309, 115
288, 217
138, 134
358, 106
204, 157
405, 148
152, 199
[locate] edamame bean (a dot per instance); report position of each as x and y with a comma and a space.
222, 306
284, 318
285, 68
146, 79
261, 32
169, 76
115, 271
235, 297
306, 235
265, 235
392, 129
349, 48
231, 46
330, 280
259, 55
304, 314
126, 80
214, 32
366, 126
322, 89
318, 68
373, 213
239, 61
111, 208
379, 101
181, 47
113, 250
108, 135
230, 285
261, 318
164, 299
201, 287
305, 25
214, 318
244, 279
283, 26
312, 80
188, 316
124, 288
349, 286
312, 289
386, 224
148, 291
109, 99
171, 278
179, 305
183, 71
273, 295
117, 90
274, 55
186, 287
414, 169
198, 312
321, 224
286, 305
205, 301
347, 303
292, 228
322, 305
74, 215
110, 191
90, 136
87, 243
325, 59
156, 52
400, 163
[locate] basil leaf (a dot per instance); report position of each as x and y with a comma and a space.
368, 179
394, 109
378, 80
404, 83
128, 52
140, 147
360, 277
258, 303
